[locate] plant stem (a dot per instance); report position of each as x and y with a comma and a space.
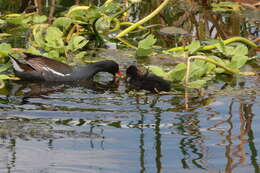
230, 70
77, 8
140, 22
212, 46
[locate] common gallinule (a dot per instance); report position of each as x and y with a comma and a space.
147, 81
37, 67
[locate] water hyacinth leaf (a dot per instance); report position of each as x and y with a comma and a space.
5, 48
38, 37
53, 54
220, 61
157, 70
39, 19
177, 73
238, 61
109, 7
197, 70
4, 77
145, 46
54, 37
4, 35
240, 50
194, 46
33, 50
62, 23
84, 14
76, 42
221, 46
103, 23
196, 84
5, 67
2, 22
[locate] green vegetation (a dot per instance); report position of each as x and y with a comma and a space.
81, 28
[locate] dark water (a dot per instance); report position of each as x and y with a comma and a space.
101, 127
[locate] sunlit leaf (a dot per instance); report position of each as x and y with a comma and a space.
33, 50
194, 46
76, 42
220, 61
240, 49
103, 23
156, 70
145, 46
39, 19
5, 48
4, 35
238, 61
38, 37
109, 7
177, 73
54, 37
4, 77
196, 84
2, 22
62, 23
198, 68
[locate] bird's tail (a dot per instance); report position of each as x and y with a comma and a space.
16, 63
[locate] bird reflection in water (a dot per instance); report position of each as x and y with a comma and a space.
43, 89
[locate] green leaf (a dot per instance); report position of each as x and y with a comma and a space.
109, 7
220, 61
103, 23
221, 46
198, 68
5, 67
5, 48
238, 61
177, 73
3, 35
145, 46
194, 46
62, 23
33, 50
196, 84
157, 70
38, 37
2, 22
4, 77
240, 50
54, 37
53, 54
39, 19
76, 42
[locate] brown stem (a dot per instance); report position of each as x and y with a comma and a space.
52, 10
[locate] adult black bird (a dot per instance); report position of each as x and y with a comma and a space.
147, 81
39, 68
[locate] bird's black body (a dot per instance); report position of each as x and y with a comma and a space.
146, 81
40, 68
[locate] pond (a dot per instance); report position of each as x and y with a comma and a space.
104, 127
99, 127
